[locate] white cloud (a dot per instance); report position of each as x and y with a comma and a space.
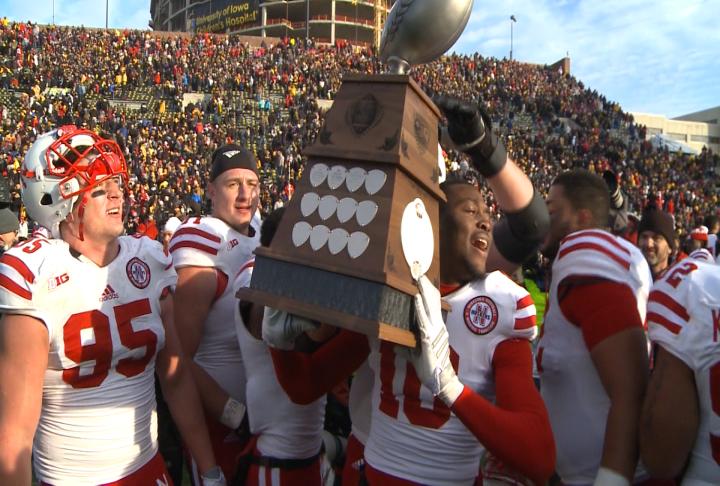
658, 56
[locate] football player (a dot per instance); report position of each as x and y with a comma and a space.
87, 322
680, 422
207, 253
592, 355
288, 436
468, 386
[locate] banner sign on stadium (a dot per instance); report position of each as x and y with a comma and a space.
220, 16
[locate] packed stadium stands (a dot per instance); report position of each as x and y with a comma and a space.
136, 86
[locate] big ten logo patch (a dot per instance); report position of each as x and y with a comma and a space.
57, 281
481, 315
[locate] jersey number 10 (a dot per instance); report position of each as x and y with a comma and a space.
412, 404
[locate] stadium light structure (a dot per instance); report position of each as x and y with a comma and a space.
307, 22
106, 13
512, 21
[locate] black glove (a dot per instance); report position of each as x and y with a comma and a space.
618, 217
470, 129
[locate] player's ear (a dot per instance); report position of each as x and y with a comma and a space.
586, 219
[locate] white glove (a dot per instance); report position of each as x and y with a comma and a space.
213, 477
280, 329
432, 359
608, 477
233, 414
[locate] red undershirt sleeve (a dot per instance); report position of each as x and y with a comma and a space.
305, 377
516, 429
616, 310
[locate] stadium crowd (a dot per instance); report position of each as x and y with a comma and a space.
266, 97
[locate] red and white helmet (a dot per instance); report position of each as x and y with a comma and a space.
60, 166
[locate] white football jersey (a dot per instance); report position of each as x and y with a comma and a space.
98, 420
711, 244
210, 242
702, 254
415, 436
285, 429
570, 385
684, 318
360, 402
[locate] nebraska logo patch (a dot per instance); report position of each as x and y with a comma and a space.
138, 272
481, 315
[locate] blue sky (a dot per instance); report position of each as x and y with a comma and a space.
660, 56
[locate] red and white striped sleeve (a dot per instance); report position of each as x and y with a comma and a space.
244, 275
16, 278
18, 284
684, 311
525, 319
702, 254
594, 266
513, 298
196, 243
595, 252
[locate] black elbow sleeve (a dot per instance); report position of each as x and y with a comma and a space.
518, 235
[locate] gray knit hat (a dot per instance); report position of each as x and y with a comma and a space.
8, 221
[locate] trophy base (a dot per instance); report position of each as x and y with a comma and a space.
353, 303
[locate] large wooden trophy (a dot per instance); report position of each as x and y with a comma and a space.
362, 225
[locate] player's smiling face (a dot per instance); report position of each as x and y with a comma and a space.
235, 197
465, 235
102, 217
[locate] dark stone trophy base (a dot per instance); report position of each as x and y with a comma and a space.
345, 301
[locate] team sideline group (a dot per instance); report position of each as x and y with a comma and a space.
628, 358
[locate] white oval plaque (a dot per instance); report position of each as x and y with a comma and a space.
319, 236
309, 203
338, 240
336, 176
416, 237
301, 232
355, 178
318, 173
374, 181
357, 244
328, 205
366, 212
346, 209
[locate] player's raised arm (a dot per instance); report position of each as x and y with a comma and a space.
526, 221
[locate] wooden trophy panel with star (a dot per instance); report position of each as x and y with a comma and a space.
363, 221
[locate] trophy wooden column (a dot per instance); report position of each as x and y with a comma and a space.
337, 255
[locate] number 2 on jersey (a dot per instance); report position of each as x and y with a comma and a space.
101, 350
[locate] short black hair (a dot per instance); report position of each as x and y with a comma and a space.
586, 190
456, 179
270, 225
710, 220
